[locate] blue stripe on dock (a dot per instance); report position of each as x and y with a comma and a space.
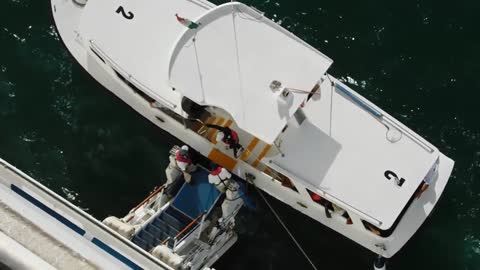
47, 210
116, 254
74, 227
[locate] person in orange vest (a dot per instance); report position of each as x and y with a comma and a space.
229, 137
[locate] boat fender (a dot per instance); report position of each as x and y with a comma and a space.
125, 230
166, 255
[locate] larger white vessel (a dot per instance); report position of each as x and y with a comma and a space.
310, 141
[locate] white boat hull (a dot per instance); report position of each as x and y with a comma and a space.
67, 16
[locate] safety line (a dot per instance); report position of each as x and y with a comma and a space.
285, 227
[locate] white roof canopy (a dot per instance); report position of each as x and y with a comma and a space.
231, 60
139, 48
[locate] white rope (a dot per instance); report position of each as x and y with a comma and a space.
300, 91
198, 67
285, 227
239, 70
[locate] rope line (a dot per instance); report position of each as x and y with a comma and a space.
198, 67
273, 211
286, 228
239, 70
300, 91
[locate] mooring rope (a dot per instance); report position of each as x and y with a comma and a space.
285, 227
273, 210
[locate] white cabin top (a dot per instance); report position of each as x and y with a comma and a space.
231, 60
236, 55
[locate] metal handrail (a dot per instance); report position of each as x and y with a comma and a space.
379, 115
367, 107
146, 200
409, 134
125, 74
188, 226
102, 227
336, 200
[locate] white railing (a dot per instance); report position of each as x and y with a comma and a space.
92, 226
96, 49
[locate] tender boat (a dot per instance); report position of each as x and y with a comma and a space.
179, 225
309, 140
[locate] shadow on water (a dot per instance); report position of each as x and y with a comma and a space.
419, 60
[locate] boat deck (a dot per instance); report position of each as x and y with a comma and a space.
342, 149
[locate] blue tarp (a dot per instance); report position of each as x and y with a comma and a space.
198, 197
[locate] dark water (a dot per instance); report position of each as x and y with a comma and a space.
419, 60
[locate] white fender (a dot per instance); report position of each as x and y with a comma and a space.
124, 229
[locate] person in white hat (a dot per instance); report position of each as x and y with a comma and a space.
183, 160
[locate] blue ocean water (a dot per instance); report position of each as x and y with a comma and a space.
418, 60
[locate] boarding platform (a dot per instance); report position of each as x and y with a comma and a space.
182, 216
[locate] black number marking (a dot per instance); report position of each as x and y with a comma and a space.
127, 15
389, 175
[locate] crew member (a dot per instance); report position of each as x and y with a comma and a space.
183, 159
229, 137
219, 177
